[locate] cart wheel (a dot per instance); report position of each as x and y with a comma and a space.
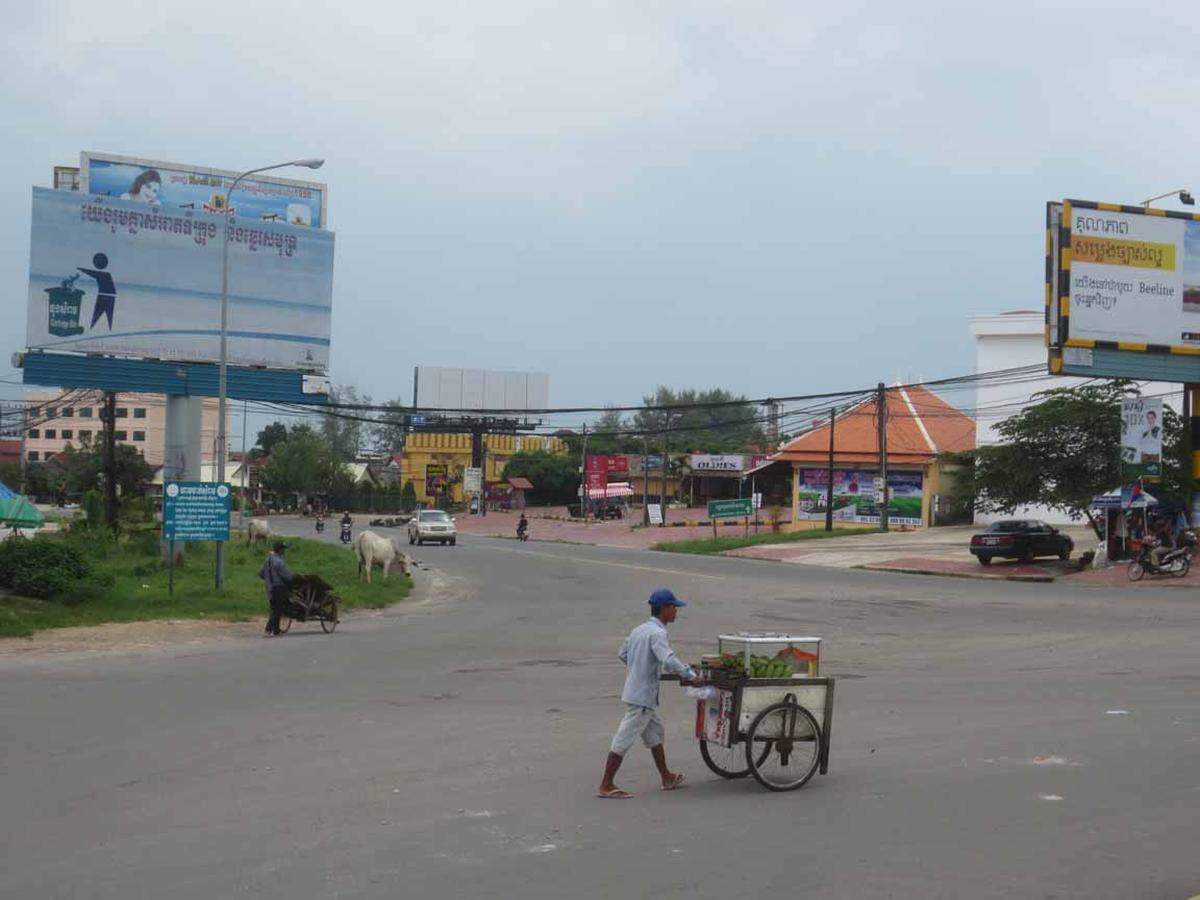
1136, 570
285, 624
327, 623
728, 762
1182, 566
793, 741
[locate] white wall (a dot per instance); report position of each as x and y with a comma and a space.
1007, 341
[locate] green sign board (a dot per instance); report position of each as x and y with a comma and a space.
730, 509
195, 511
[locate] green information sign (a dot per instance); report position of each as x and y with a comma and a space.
195, 511
730, 509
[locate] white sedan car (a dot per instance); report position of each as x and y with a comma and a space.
432, 525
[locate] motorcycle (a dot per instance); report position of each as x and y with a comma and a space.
345, 534
522, 532
320, 526
1177, 562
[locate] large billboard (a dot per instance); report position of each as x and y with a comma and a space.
173, 187
1141, 437
115, 277
480, 389
854, 495
1122, 291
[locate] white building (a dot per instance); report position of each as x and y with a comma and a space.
1010, 340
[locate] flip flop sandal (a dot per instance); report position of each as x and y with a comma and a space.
674, 784
615, 794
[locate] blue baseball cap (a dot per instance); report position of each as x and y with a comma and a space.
664, 597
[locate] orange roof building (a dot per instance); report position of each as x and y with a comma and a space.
921, 426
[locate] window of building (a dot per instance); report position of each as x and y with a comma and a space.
33, 433
67, 412
86, 412
32, 455
139, 412
139, 435
122, 412
51, 412
51, 434
67, 434
84, 436
122, 435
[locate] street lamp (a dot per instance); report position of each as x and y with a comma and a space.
1185, 197
310, 163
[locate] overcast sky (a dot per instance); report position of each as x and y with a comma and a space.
771, 197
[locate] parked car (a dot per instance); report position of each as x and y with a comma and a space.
432, 525
1021, 539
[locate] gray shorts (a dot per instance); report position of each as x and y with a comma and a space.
638, 721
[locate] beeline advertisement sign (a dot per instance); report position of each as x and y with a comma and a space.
123, 278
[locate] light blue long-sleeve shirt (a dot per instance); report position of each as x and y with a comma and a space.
647, 654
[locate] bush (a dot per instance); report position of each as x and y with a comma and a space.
93, 508
145, 543
42, 567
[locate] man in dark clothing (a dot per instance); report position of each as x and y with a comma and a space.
106, 290
278, 578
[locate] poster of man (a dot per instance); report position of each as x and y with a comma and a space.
1141, 437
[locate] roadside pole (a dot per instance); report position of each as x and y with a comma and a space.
662, 499
645, 483
883, 460
110, 459
829, 475
583, 488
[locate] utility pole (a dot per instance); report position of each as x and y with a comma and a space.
583, 488
829, 475
109, 412
883, 460
645, 482
483, 478
666, 451
24, 488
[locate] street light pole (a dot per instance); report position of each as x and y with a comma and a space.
222, 438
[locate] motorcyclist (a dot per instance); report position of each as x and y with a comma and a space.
346, 523
320, 525
1160, 542
522, 526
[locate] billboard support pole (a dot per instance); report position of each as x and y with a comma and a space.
583, 485
110, 459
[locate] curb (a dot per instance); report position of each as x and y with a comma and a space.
1031, 579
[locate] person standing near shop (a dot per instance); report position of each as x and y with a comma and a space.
647, 654
278, 578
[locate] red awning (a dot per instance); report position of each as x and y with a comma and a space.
613, 489
521, 484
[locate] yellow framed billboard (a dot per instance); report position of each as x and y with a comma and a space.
1122, 291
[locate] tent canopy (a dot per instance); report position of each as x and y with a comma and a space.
1119, 498
17, 512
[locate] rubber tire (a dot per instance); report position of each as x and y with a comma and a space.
985, 560
1026, 556
285, 624
1184, 568
1064, 554
1136, 571
328, 626
723, 772
816, 730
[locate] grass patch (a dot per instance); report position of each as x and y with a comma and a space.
129, 584
707, 546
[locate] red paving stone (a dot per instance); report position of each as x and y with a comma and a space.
1116, 576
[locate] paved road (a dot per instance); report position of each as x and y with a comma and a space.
451, 748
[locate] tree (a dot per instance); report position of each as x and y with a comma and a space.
387, 435
76, 470
1060, 452
344, 429
730, 427
304, 464
604, 441
555, 477
10, 475
270, 437
408, 497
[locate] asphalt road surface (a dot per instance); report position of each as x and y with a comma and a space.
990, 740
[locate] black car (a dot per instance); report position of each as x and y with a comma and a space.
1021, 539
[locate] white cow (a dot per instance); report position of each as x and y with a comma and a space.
257, 529
373, 549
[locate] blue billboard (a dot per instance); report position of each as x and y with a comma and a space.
120, 277
196, 511
175, 187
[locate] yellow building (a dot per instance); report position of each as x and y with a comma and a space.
435, 462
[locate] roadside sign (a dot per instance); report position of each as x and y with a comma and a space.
1141, 437
473, 479
656, 517
196, 511
758, 500
730, 509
